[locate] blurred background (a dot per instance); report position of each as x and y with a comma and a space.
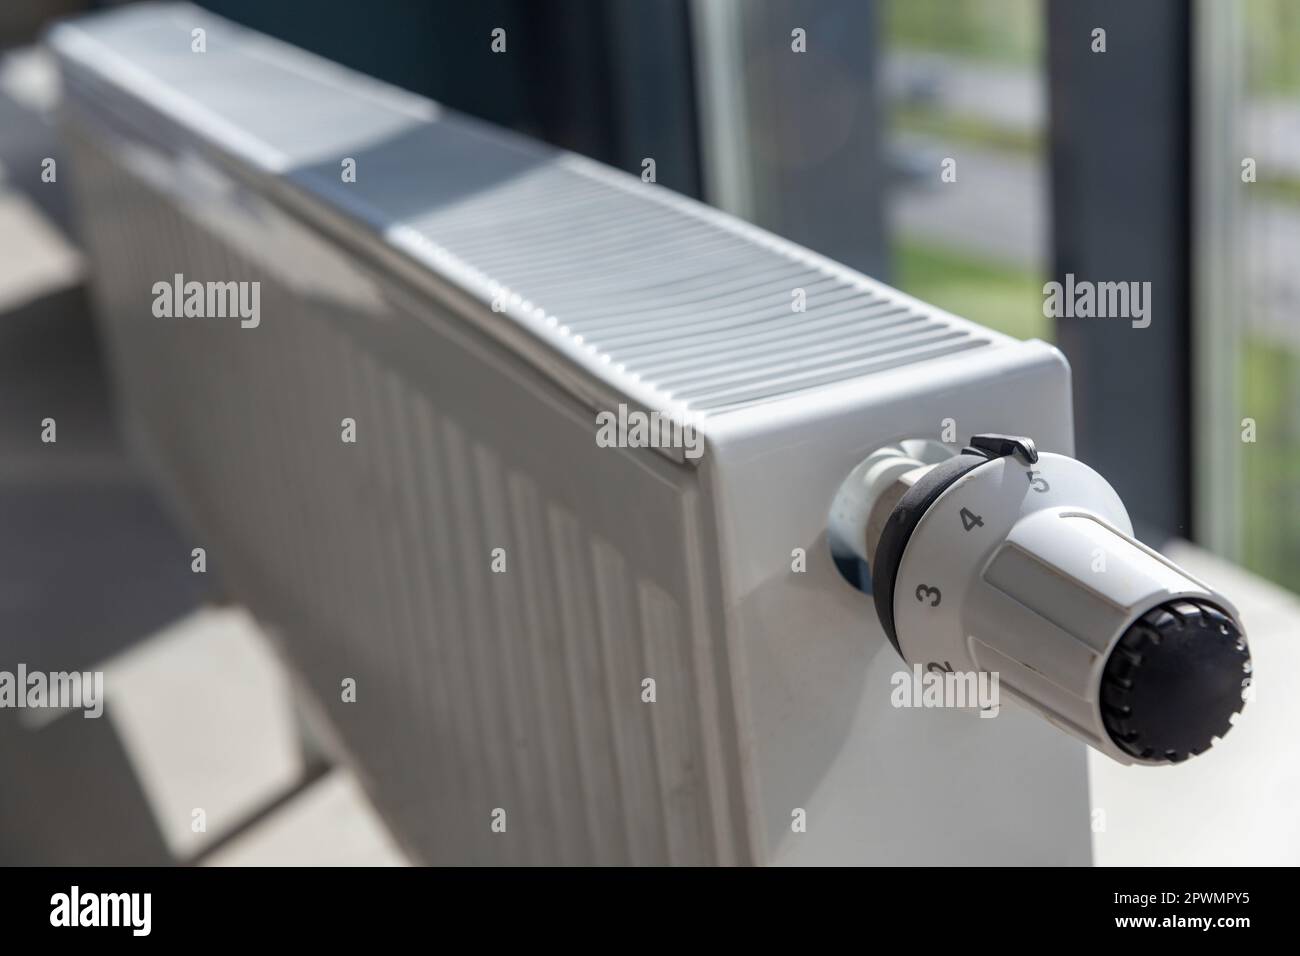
1125, 164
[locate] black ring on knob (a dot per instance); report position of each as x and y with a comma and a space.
902, 522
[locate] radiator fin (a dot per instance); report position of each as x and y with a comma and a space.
665, 300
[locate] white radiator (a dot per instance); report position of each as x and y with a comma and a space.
475, 426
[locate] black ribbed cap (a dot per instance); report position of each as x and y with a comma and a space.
1174, 680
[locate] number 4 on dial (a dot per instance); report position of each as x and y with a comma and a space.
970, 520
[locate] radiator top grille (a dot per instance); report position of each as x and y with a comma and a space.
663, 299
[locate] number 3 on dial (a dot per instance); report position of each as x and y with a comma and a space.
924, 592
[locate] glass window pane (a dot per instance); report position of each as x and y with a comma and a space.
968, 211
1250, 91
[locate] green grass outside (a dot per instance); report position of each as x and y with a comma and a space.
1270, 467
968, 130
1283, 189
1003, 297
1002, 31
1272, 56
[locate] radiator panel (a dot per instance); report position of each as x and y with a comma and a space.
519, 690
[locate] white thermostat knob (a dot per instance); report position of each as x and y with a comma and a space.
1003, 560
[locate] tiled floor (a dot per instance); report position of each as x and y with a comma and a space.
205, 714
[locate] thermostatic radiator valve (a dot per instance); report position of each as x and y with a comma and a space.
1001, 559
